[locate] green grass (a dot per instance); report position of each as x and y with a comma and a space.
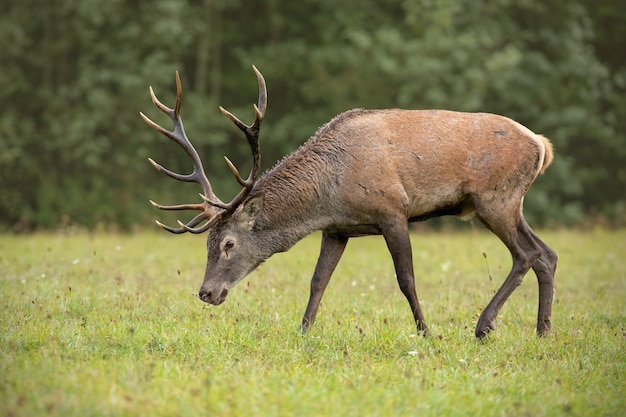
103, 325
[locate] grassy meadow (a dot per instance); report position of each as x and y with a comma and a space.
108, 325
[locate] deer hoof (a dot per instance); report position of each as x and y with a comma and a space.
483, 329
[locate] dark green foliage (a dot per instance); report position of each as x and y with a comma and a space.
74, 75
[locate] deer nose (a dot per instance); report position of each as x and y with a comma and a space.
205, 296
213, 297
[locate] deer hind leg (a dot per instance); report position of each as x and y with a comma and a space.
545, 268
330, 253
506, 222
398, 241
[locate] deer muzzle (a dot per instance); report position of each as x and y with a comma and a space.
215, 297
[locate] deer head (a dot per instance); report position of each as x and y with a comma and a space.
231, 250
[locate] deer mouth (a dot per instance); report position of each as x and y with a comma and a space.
214, 298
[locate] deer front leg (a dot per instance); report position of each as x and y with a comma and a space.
330, 253
399, 244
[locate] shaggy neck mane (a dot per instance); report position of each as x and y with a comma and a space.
300, 182
296, 185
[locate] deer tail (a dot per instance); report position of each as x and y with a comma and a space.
549, 153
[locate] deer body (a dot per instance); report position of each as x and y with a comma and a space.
366, 165
371, 172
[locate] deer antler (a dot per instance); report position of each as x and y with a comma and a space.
178, 135
252, 134
210, 200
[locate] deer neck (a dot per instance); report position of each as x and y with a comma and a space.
292, 210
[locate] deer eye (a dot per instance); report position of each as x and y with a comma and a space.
229, 244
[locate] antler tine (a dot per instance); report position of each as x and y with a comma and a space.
188, 178
179, 96
179, 177
178, 206
190, 226
198, 230
235, 172
176, 231
262, 103
252, 135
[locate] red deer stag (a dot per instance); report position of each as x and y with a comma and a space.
371, 172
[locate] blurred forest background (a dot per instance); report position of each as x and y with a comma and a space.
74, 75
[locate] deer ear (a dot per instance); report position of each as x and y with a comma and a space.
251, 209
